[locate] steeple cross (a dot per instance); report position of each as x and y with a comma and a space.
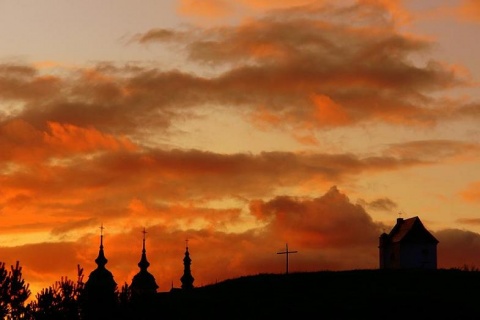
286, 253
144, 235
186, 242
101, 236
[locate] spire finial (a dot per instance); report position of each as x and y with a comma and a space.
101, 261
144, 236
101, 235
144, 264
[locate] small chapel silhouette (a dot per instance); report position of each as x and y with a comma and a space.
409, 245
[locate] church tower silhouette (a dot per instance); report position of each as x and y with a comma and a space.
143, 288
143, 282
100, 298
187, 278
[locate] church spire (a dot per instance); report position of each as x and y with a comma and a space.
144, 264
101, 261
187, 278
143, 283
100, 297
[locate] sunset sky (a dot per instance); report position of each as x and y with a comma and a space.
240, 125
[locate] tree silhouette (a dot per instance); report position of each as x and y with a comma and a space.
125, 302
60, 301
13, 293
4, 283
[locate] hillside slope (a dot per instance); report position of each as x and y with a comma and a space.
366, 294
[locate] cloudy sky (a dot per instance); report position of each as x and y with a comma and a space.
239, 125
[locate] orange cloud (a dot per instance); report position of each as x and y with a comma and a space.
304, 68
469, 221
301, 74
328, 112
316, 222
265, 4
205, 8
218, 9
22, 142
435, 150
21, 82
43, 263
457, 248
384, 204
291, 55
227, 8
79, 140
107, 98
394, 7
472, 192
110, 180
470, 10
61, 186
162, 35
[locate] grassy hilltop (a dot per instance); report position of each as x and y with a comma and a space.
365, 294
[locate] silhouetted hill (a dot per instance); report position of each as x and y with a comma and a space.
365, 294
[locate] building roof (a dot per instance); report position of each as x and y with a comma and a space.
144, 282
411, 230
100, 278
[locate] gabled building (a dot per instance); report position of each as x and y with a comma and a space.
409, 245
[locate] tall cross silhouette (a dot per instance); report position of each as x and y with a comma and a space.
286, 253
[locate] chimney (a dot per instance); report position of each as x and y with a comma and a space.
399, 220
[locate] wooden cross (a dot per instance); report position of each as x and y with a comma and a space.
286, 253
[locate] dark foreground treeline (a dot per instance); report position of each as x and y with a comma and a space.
357, 294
